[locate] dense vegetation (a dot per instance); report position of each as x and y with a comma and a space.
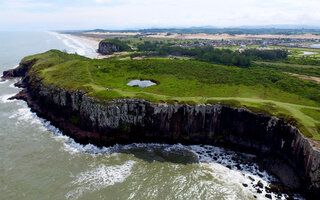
214, 55
207, 54
260, 89
274, 54
303, 61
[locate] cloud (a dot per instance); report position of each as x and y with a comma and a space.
117, 14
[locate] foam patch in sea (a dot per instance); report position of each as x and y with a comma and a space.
5, 98
98, 178
25, 116
3, 81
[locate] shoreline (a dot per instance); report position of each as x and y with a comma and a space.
93, 42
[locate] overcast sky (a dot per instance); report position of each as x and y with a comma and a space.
121, 14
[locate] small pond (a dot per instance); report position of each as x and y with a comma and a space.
141, 83
307, 53
317, 46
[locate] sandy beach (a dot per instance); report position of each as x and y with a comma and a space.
93, 42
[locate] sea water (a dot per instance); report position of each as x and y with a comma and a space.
38, 162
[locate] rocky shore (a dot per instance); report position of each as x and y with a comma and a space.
283, 150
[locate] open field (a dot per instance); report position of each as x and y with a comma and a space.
260, 89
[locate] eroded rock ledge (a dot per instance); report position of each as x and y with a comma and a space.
104, 123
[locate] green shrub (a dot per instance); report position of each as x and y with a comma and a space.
305, 131
231, 103
172, 101
228, 103
264, 111
191, 103
213, 102
296, 123
318, 127
289, 119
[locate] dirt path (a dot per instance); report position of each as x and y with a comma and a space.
90, 75
305, 77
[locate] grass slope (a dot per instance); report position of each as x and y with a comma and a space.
260, 89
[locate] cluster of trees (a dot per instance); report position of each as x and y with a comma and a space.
214, 55
207, 54
272, 54
223, 56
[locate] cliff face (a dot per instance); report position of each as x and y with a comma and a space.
89, 120
107, 48
19, 71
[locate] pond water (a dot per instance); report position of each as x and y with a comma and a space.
307, 53
317, 46
141, 83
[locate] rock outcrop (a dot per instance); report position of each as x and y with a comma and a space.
19, 71
108, 47
104, 123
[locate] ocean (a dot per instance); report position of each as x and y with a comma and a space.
38, 162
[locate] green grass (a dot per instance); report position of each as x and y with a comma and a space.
315, 114
259, 89
309, 70
318, 128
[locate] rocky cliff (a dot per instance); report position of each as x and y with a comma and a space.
89, 120
20, 71
108, 47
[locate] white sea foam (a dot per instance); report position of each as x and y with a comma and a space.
98, 178
12, 85
25, 116
5, 98
3, 82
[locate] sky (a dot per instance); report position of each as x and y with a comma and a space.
135, 14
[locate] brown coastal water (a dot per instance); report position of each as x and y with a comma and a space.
38, 162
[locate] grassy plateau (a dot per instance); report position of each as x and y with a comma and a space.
260, 88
